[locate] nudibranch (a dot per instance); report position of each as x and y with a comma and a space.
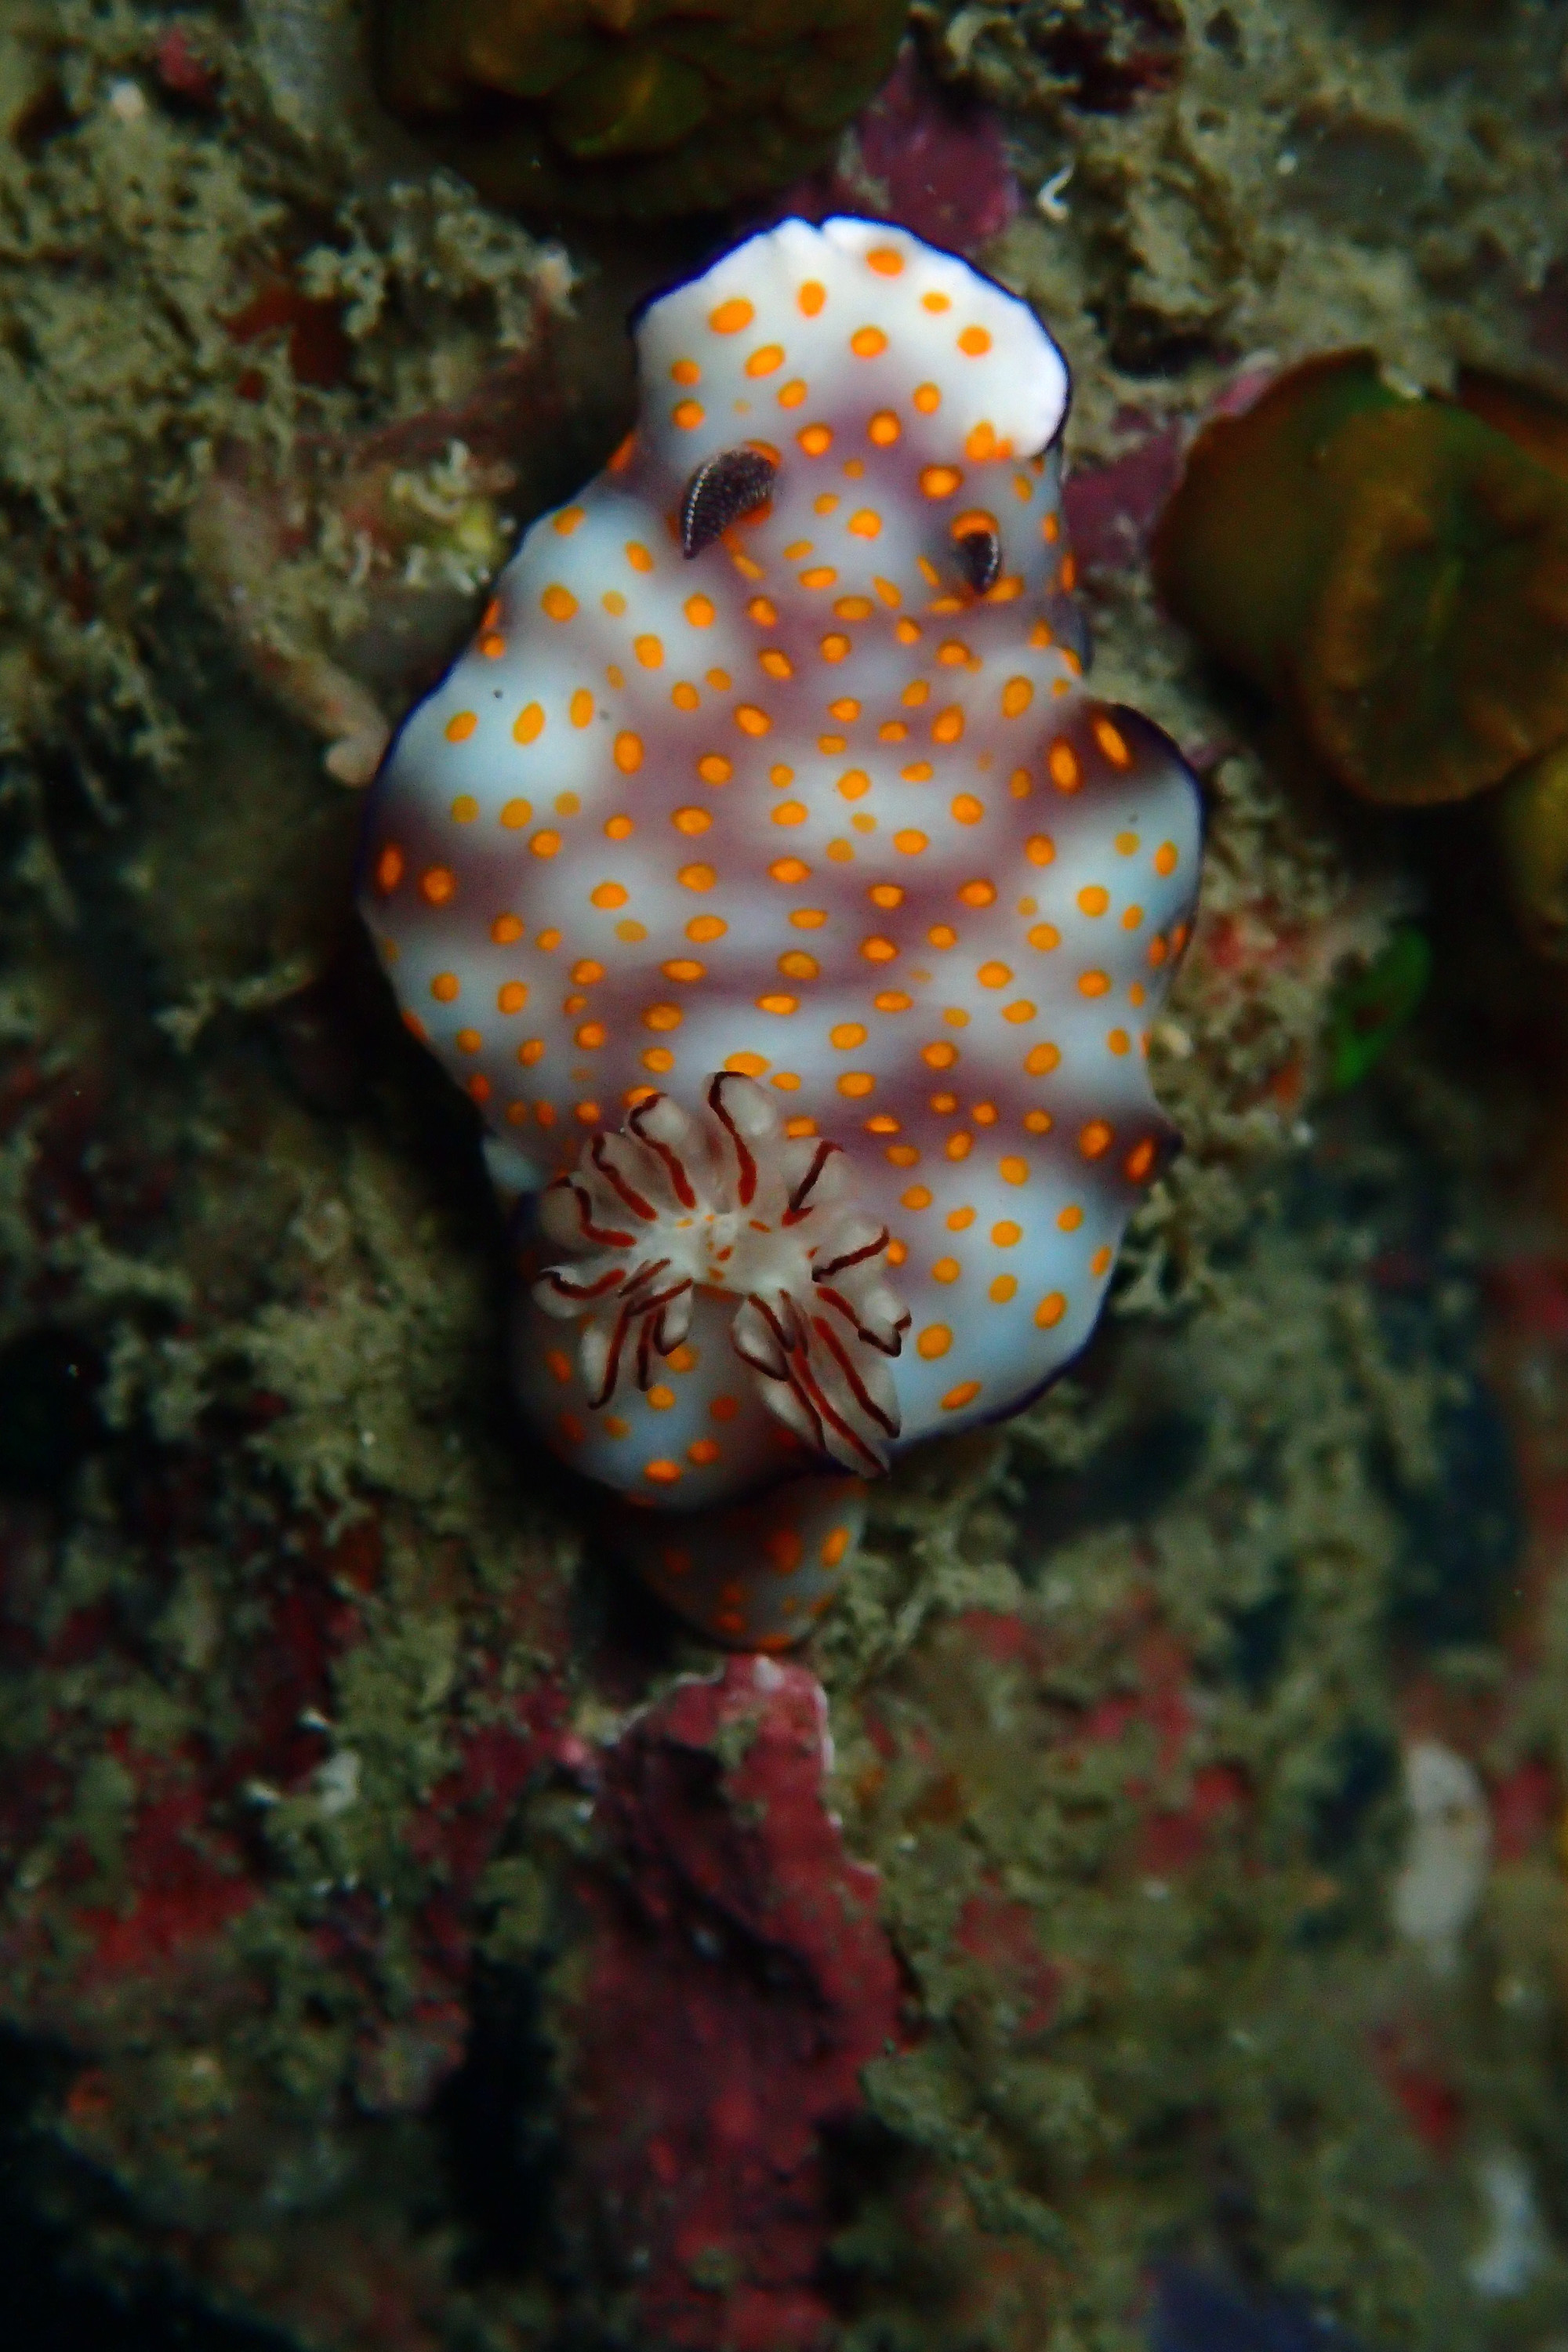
767, 876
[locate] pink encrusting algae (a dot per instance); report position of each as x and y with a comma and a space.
767, 876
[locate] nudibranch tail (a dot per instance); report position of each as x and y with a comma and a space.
754, 1575
795, 916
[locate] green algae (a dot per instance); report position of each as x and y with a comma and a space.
1369, 1010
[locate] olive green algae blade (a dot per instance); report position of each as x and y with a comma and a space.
1242, 546
1393, 571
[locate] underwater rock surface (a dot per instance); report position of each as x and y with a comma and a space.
327, 1733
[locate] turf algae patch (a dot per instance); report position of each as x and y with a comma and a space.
1264, 179
282, 1625
1137, 1818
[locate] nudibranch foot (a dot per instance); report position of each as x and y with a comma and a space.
756, 1575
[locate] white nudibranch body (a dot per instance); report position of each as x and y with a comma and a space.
768, 811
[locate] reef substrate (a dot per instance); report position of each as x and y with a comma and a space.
410, 1939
